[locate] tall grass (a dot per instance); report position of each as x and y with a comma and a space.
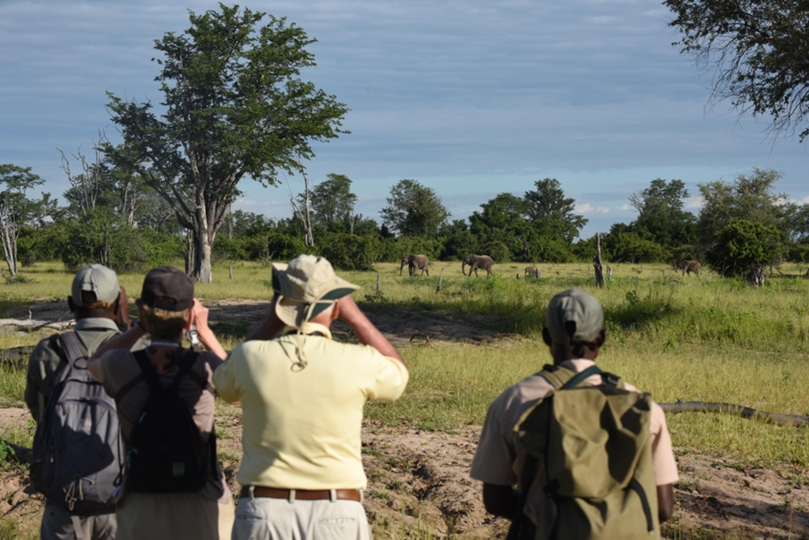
694, 338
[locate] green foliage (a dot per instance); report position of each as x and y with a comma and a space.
743, 245
100, 239
750, 198
332, 200
629, 247
229, 249
551, 250
231, 91
19, 278
392, 250
661, 217
349, 252
798, 253
551, 213
497, 251
756, 52
414, 210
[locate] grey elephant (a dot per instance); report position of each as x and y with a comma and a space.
484, 262
530, 270
689, 266
415, 262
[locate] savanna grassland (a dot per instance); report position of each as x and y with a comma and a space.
700, 338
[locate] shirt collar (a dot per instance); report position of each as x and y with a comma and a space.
578, 365
308, 328
96, 322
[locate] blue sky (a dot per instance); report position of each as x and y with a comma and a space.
471, 98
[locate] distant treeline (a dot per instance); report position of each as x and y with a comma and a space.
116, 220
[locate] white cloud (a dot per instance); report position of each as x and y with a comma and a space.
624, 208
695, 202
584, 208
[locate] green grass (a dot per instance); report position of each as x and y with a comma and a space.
694, 338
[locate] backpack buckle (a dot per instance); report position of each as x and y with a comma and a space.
609, 379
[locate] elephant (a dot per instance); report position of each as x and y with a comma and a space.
484, 262
689, 266
415, 262
530, 270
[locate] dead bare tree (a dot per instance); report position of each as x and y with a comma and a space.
88, 184
303, 214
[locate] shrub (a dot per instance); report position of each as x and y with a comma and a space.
743, 245
391, 250
498, 251
631, 248
100, 239
551, 250
349, 251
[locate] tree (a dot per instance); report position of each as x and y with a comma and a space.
332, 201
757, 52
17, 210
551, 212
233, 107
503, 221
749, 197
743, 246
413, 210
661, 217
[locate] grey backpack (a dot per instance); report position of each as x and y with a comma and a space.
78, 449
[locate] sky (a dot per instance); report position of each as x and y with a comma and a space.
470, 98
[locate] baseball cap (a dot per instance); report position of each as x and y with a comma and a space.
581, 309
306, 287
168, 288
95, 286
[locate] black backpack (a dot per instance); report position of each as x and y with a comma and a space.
78, 451
167, 454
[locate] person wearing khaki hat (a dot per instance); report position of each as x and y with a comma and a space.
99, 306
175, 507
302, 396
574, 333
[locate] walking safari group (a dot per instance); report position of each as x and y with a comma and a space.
125, 445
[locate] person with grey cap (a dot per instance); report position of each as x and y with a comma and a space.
175, 494
574, 332
99, 306
302, 396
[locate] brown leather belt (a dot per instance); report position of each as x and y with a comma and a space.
302, 494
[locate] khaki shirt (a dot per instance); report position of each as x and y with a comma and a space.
44, 361
499, 460
303, 423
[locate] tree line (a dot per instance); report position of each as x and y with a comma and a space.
113, 217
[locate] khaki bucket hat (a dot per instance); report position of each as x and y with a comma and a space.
306, 287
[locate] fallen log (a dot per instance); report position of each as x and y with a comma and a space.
20, 454
744, 412
32, 324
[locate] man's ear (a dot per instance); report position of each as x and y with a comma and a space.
546, 337
70, 305
335, 312
600, 338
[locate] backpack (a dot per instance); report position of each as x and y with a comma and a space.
595, 445
167, 454
78, 454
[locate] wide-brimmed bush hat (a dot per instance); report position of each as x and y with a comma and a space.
306, 287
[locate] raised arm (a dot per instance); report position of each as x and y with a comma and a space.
366, 332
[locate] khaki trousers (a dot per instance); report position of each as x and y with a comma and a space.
58, 524
173, 516
280, 519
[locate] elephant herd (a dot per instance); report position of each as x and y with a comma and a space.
421, 262
484, 262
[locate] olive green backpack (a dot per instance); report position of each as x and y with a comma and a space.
594, 443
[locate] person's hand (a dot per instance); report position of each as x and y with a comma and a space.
199, 315
122, 312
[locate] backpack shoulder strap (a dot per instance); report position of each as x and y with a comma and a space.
191, 356
562, 378
72, 347
149, 373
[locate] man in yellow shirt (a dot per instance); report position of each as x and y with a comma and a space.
302, 396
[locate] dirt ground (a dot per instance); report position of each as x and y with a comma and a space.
418, 480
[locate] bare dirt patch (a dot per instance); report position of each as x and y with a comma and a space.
419, 482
